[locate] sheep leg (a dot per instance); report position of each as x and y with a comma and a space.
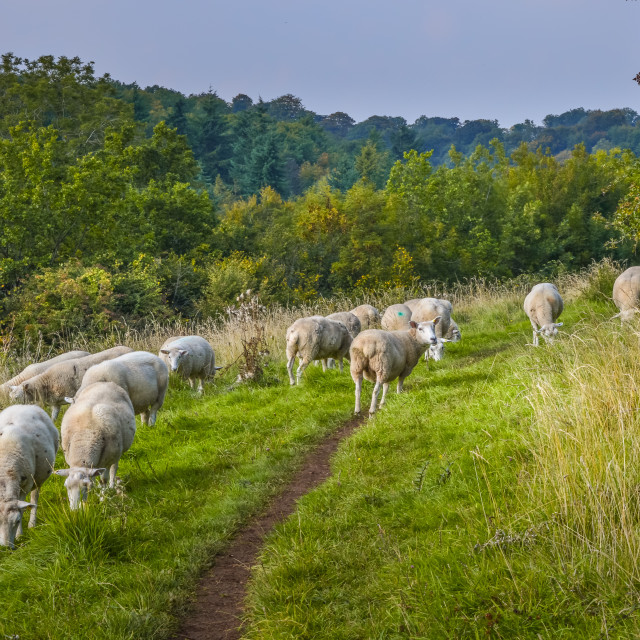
200, 385
35, 492
341, 365
358, 380
144, 417
385, 388
400, 385
112, 475
535, 334
374, 397
304, 363
55, 410
324, 365
290, 362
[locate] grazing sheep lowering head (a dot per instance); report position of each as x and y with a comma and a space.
78, 482
10, 520
436, 351
550, 330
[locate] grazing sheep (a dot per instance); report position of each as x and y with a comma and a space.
96, 430
190, 356
426, 309
28, 446
142, 375
315, 338
369, 316
626, 293
453, 335
349, 320
396, 317
544, 305
415, 302
61, 380
40, 367
382, 356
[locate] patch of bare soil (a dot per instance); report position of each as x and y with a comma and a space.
217, 611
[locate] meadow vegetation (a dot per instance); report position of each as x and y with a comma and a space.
497, 496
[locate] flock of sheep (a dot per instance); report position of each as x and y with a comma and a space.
106, 390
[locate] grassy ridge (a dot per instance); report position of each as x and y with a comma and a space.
124, 567
439, 522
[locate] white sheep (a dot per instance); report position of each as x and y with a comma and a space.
61, 380
349, 320
626, 293
382, 356
28, 445
191, 357
425, 310
40, 367
396, 317
453, 335
96, 430
315, 338
544, 305
368, 315
143, 375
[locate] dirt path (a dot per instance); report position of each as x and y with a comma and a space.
219, 605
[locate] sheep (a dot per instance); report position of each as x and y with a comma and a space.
28, 445
626, 293
190, 356
369, 316
396, 317
144, 376
349, 320
382, 356
544, 305
426, 309
61, 380
453, 335
315, 338
39, 367
96, 430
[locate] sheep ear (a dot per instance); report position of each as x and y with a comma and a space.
75, 370
96, 472
165, 351
612, 317
68, 400
559, 324
413, 324
218, 368
182, 351
25, 386
62, 472
22, 505
436, 320
13, 387
445, 340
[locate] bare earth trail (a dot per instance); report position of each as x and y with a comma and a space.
217, 611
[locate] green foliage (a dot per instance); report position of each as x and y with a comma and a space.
73, 298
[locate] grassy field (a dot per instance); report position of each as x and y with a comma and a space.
497, 497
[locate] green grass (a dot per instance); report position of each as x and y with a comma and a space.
124, 568
428, 529
442, 518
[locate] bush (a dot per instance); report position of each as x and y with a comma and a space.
72, 298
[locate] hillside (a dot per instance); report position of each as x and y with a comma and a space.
497, 496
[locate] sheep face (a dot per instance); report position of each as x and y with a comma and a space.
10, 520
456, 336
425, 331
16, 393
550, 331
175, 357
78, 483
436, 351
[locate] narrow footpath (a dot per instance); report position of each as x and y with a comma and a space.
219, 605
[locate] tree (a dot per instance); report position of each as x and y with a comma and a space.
241, 102
178, 118
213, 143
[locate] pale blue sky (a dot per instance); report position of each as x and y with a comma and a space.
500, 59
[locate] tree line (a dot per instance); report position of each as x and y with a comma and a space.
118, 203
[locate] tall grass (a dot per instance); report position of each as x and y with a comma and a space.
585, 442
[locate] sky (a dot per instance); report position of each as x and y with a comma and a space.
507, 60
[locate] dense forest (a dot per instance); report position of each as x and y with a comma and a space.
118, 203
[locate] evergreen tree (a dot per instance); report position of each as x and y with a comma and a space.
178, 118
213, 145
